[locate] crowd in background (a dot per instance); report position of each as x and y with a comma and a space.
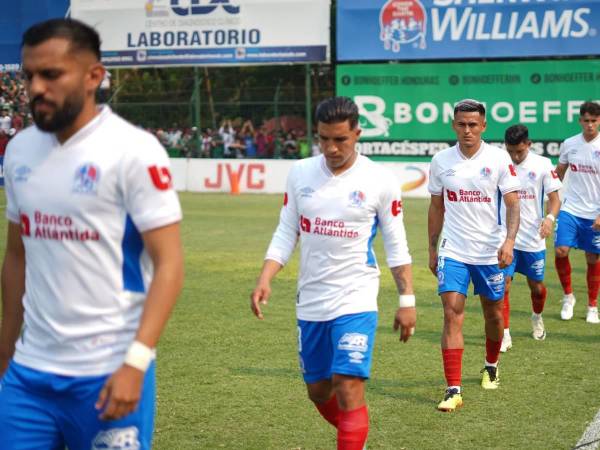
14, 114
233, 139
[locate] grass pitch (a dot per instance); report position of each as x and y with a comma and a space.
227, 380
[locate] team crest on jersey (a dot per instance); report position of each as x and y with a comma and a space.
596, 154
86, 179
22, 174
357, 198
531, 175
485, 172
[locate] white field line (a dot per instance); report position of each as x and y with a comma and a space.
591, 436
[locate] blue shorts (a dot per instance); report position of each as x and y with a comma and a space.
575, 232
454, 276
41, 410
530, 264
343, 345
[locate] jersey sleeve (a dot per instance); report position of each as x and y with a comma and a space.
551, 182
508, 181
563, 154
12, 209
147, 186
391, 223
434, 186
286, 235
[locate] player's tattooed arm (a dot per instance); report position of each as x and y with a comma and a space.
511, 201
435, 222
561, 169
403, 278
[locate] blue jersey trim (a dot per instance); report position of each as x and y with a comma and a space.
132, 246
499, 206
371, 260
542, 203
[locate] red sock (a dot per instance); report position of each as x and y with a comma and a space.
452, 365
593, 283
506, 309
538, 301
492, 350
330, 411
353, 429
563, 268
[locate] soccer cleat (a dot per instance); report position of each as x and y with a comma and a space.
566, 313
537, 324
452, 401
506, 343
592, 315
490, 378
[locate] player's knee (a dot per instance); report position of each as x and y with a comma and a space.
591, 258
561, 252
537, 289
319, 397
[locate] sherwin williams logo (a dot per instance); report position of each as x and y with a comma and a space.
402, 22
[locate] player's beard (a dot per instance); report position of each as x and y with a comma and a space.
61, 118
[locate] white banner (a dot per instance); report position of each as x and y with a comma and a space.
219, 32
260, 176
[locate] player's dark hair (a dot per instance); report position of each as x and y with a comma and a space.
516, 134
337, 110
591, 108
469, 105
81, 36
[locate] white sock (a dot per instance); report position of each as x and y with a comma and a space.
536, 315
507, 332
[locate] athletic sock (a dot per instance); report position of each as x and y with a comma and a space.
593, 283
452, 365
353, 429
492, 351
506, 310
538, 301
330, 411
563, 269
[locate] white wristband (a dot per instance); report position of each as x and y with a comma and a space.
406, 301
551, 217
139, 356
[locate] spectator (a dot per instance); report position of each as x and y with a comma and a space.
228, 137
248, 139
261, 144
5, 120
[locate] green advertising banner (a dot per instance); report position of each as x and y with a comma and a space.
406, 109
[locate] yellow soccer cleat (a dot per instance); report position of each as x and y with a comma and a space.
452, 401
490, 378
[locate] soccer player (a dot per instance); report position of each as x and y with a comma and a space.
578, 223
93, 261
538, 178
465, 183
333, 205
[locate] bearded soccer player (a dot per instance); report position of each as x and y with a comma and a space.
334, 204
538, 179
93, 262
578, 224
465, 183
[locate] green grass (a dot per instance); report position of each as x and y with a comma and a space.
227, 380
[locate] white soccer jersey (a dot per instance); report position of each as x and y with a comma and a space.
82, 206
472, 188
582, 191
336, 218
538, 178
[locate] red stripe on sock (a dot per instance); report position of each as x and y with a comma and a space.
330, 411
452, 365
506, 309
563, 268
593, 283
538, 301
353, 429
492, 350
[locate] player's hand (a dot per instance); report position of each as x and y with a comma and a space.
596, 224
405, 320
121, 393
260, 295
546, 228
505, 254
433, 261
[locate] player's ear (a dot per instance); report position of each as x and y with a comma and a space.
95, 75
